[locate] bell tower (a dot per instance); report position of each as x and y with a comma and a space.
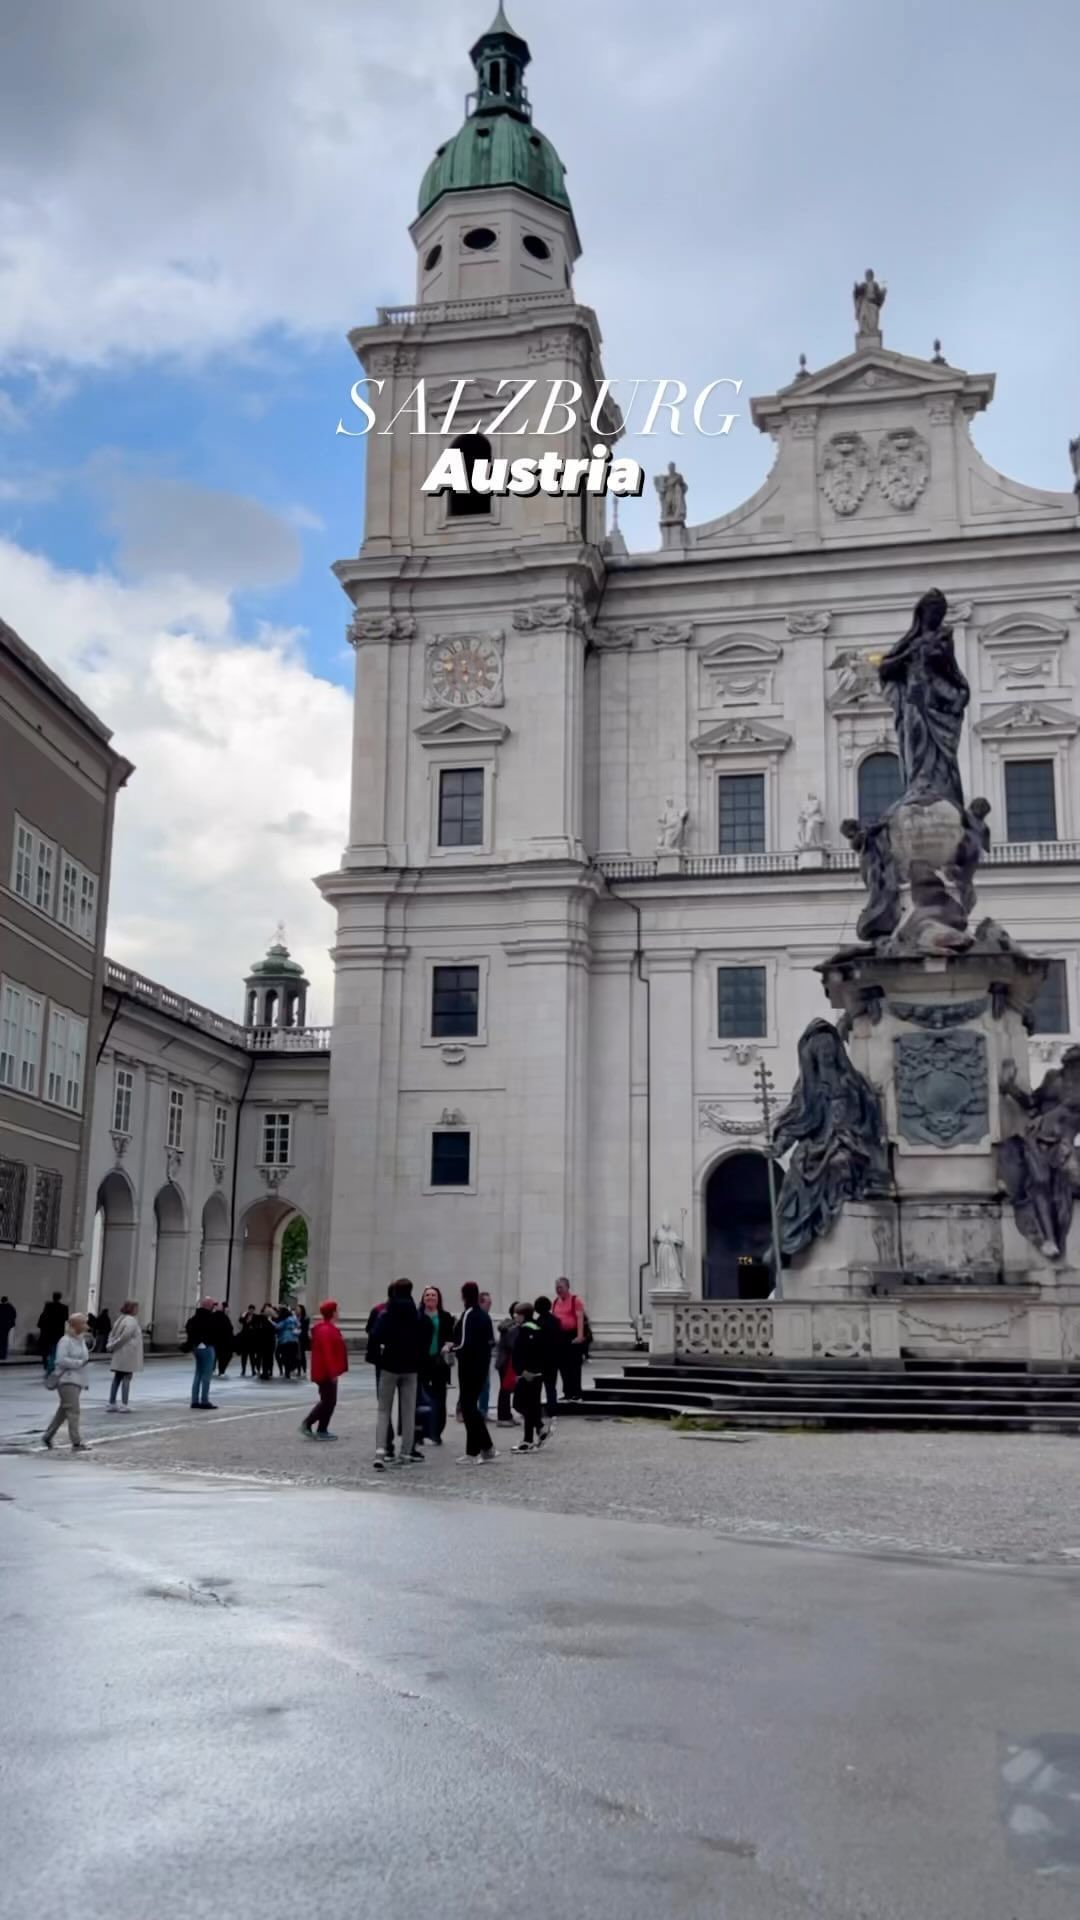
494, 215
465, 894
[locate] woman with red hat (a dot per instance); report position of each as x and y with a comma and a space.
329, 1360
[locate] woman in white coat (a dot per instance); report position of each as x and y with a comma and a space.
69, 1375
125, 1350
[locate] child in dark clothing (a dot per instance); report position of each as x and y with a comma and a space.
528, 1361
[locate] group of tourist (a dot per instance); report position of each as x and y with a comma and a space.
277, 1337
414, 1348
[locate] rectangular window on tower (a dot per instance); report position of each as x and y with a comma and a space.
742, 1004
221, 1133
1030, 803
455, 1003
174, 1137
742, 813
461, 807
451, 1158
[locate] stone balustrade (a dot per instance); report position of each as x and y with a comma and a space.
134, 986
987, 1323
1008, 853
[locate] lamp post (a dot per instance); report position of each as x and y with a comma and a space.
765, 1091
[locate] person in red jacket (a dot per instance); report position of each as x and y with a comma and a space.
329, 1360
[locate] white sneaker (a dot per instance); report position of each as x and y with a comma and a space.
110, 1406
468, 1459
487, 1458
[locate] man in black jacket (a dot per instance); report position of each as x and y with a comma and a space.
396, 1348
473, 1341
200, 1342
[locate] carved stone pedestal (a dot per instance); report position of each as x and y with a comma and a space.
664, 1303
932, 1034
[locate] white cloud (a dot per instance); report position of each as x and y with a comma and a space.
240, 789
172, 528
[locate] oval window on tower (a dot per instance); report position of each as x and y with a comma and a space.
539, 249
432, 259
479, 239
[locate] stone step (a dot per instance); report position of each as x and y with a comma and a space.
894, 1385
795, 1413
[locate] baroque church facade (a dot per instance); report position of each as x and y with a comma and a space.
596, 844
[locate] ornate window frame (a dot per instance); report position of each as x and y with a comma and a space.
1029, 730
455, 738
710, 965
741, 745
448, 1042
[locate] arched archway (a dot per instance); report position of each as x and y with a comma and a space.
112, 1279
170, 1305
738, 1227
261, 1232
214, 1248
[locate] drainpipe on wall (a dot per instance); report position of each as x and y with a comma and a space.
235, 1172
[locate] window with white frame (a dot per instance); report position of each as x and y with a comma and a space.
221, 1132
123, 1088
174, 1137
276, 1139
20, 1037
78, 898
44, 874
22, 865
65, 1059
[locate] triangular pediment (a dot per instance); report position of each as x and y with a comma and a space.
1030, 719
873, 374
741, 736
465, 724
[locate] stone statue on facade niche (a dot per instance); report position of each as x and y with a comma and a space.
1074, 456
672, 490
1036, 1165
928, 695
668, 1258
835, 1124
869, 296
880, 877
672, 827
810, 831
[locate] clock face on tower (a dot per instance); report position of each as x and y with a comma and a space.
465, 671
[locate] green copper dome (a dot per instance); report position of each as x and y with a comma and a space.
498, 146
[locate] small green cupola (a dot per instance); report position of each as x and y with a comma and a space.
498, 146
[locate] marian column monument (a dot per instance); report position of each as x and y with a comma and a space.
922, 1164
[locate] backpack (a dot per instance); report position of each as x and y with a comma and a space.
586, 1330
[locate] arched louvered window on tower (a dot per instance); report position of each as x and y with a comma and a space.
474, 447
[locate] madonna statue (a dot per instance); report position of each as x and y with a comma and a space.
928, 695
835, 1124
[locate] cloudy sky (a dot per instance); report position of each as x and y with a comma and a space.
197, 201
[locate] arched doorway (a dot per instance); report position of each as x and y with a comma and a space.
738, 1228
214, 1249
114, 1243
262, 1232
171, 1306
